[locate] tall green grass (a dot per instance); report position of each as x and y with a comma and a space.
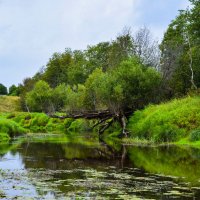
41, 123
167, 122
9, 128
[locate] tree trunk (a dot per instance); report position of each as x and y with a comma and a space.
122, 121
191, 62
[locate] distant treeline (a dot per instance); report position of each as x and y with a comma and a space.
13, 90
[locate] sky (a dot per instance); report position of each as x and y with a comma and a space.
32, 30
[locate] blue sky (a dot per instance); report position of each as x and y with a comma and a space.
32, 30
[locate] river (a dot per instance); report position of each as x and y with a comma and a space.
55, 167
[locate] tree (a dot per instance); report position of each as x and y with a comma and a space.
75, 99
122, 48
25, 87
94, 82
13, 90
146, 48
98, 56
40, 98
3, 90
173, 48
59, 97
194, 20
78, 70
180, 52
56, 70
130, 86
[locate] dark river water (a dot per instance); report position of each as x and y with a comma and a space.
82, 168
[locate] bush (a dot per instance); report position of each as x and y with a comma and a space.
68, 122
4, 137
11, 128
39, 119
195, 135
167, 133
80, 125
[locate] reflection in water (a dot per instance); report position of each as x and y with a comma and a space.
88, 170
169, 160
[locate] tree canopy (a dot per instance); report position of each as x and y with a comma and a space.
3, 89
180, 52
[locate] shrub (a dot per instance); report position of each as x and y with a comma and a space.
39, 119
167, 133
11, 128
80, 125
194, 135
4, 137
68, 122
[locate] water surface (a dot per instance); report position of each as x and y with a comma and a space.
82, 168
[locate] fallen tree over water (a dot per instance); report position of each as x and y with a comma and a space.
105, 118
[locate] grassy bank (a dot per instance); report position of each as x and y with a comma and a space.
174, 121
9, 104
9, 128
177, 121
16, 123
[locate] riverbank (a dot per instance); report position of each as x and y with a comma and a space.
174, 122
16, 123
177, 121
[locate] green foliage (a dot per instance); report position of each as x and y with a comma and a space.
75, 98
39, 99
98, 56
3, 90
113, 131
94, 85
57, 68
37, 122
122, 48
45, 99
59, 97
4, 137
67, 122
166, 122
180, 52
10, 127
22, 122
24, 88
14, 90
137, 82
81, 80
130, 86
166, 133
79, 69
80, 125
194, 135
